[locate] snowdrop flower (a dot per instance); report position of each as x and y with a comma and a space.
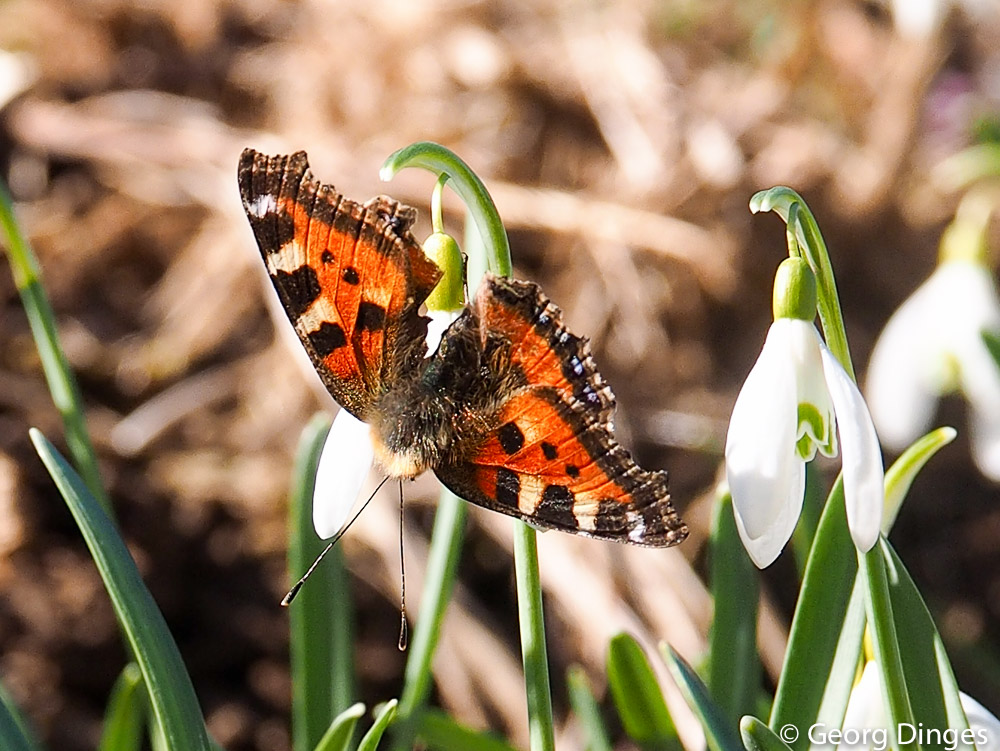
788, 409
933, 345
348, 455
866, 724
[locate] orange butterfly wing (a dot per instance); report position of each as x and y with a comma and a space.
551, 458
350, 276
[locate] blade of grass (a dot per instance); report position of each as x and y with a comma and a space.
62, 384
733, 665
385, 715
125, 715
585, 707
321, 617
719, 734
442, 566
438, 731
533, 653
338, 736
637, 695
171, 694
15, 735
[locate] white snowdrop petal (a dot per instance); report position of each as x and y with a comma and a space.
864, 493
901, 387
766, 547
982, 723
343, 468
440, 321
760, 447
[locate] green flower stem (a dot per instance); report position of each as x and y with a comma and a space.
437, 213
442, 565
780, 200
439, 160
62, 384
496, 248
885, 642
533, 653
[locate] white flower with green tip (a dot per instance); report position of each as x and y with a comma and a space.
791, 405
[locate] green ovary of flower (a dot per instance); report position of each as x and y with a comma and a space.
449, 294
794, 291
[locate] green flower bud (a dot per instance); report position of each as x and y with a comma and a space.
449, 294
794, 290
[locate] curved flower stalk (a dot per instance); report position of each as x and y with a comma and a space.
789, 408
933, 344
348, 455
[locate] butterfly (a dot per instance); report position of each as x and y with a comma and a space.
509, 412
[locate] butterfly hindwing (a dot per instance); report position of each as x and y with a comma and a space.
350, 276
551, 457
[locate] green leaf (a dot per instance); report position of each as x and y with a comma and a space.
531, 618
172, 696
61, 381
585, 707
719, 732
439, 732
338, 736
934, 696
125, 715
818, 633
759, 737
733, 665
15, 734
321, 616
637, 695
904, 471
386, 713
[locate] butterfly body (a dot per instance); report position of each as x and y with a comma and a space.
509, 411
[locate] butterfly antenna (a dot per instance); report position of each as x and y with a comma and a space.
403, 630
287, 600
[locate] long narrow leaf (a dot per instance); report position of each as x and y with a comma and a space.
733, 665
385, 716
638, 696
15, 734
935, 702
62, 383
720, 733
172, 696
338, 736
439, 732
585, 707
818, 621
322, 662
125, 716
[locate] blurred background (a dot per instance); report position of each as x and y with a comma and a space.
621, 141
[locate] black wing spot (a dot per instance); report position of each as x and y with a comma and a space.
327, 338
572, 470
511, 438
508, 487
550, 451
371, 317
351, 275
326, 257
557, 506
300, 289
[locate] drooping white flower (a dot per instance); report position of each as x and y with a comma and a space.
933, 345
792, 403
